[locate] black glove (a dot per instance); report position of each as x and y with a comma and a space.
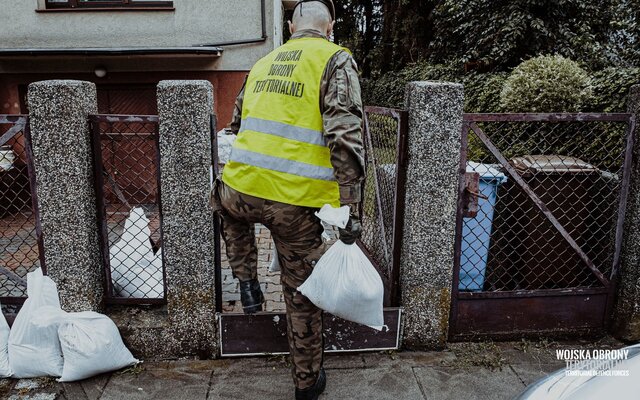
352, 231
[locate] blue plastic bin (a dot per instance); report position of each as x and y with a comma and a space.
476, 232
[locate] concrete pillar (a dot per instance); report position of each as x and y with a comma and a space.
184, 108
626, 324
62, 151
435, 124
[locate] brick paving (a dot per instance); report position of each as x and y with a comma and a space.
270, 281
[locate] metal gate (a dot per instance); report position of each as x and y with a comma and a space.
382, 217
539, 229
382, 206
127, 183
21, 244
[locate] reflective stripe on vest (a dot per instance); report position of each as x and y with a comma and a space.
281, 153
282, 165
283, 130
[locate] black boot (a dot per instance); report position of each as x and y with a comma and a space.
251, 296
314, 391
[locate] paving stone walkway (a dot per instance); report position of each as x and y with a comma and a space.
270, 281
470, 371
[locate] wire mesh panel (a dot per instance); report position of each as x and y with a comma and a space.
572, 166
127, 185
20, 244
383, 201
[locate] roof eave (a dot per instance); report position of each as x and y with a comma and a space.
122, 51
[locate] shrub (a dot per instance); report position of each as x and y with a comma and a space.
611, 89
546, 84
482, 91
388, 90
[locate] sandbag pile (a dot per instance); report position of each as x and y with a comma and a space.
47, 341
90, 342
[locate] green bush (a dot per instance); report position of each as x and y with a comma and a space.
482, 91
546, 84
388, 90
611, 89
597, 143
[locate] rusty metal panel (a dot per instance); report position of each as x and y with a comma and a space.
266, 333
512, 317
21, 242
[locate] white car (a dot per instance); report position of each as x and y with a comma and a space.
581, 383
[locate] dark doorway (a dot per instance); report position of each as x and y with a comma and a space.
129, 99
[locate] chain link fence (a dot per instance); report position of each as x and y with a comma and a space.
126, 156
383, 202
20, 244
574, 167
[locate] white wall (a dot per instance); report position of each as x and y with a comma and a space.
278, 22
193, 22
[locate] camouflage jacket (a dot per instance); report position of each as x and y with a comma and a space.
342, 112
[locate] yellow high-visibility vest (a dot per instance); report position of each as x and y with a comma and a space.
281, 153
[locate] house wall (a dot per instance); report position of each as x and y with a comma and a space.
27, 25
226, 85
193, 22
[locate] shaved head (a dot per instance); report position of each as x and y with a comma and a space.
312, 15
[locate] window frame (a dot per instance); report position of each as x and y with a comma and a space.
70, 5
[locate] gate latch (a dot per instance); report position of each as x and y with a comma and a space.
471, 194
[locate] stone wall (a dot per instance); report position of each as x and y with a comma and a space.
63, 161
188, 237
435, 126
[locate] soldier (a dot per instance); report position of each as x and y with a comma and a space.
299, 146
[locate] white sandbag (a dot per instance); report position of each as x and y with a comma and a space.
133, 245
144, 280
274, 266
334, 216
90, 342
225, 144
5, 368
328, 232
135, 271
35, 351
344, 283
275, 263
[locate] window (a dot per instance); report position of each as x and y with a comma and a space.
108, 4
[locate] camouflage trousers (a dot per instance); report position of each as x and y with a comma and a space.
296, 232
